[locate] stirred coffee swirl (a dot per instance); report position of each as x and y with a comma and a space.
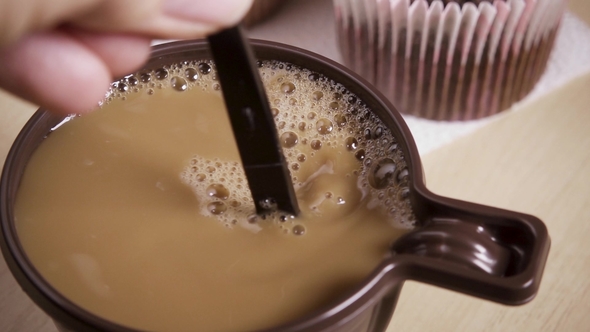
312, 113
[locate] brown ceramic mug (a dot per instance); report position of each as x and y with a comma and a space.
482, 251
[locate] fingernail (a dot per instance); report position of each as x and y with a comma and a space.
214, 12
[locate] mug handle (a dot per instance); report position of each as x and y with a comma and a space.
482, 251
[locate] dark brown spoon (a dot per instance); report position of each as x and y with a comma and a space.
252, 122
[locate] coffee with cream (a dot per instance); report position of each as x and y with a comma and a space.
140, 212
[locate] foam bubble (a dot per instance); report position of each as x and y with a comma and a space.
289, 139
351, 143
178, 83
288, 87
218, 190
216, 208
204, 68
317, 95
132, 80
298, 230
360, 154
340, 120
324, 126
121, 86
381, 174
145, 77
161, 73
191, 74
316, 144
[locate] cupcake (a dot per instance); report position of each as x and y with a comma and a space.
449, 60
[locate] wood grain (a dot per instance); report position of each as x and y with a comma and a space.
535, 160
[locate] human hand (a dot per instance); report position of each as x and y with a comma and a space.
63, 54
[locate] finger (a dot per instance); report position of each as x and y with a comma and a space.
165, 18
122, 54
20, 17
59, 72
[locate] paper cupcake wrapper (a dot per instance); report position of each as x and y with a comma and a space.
449, 61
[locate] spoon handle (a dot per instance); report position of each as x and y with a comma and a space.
252, 122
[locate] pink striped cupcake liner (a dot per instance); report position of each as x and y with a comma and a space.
449, 60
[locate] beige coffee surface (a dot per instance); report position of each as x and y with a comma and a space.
107, 214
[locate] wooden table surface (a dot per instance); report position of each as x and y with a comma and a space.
534, 158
